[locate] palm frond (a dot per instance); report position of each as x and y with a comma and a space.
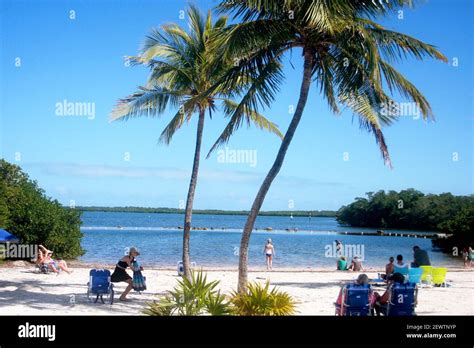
145, 102
395, 46
396, 80
176, 122
237, 118
369, 119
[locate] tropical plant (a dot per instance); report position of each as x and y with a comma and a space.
198, 296
36, 218
345, 52
183, 66
260, 300
191, 297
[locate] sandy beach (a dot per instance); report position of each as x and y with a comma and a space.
25, 292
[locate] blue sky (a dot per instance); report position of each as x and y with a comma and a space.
83, 158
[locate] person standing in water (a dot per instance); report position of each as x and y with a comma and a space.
269, 252
338, 248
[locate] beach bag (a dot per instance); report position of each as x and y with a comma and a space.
139, 281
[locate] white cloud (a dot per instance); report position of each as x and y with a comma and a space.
165, 173
103, 171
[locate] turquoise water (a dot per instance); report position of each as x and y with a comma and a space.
106, 235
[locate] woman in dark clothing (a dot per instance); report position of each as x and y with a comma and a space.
120, 274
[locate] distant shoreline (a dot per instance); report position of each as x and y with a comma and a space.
299, 213
383, 233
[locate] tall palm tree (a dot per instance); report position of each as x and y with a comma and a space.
345, 53
183, 66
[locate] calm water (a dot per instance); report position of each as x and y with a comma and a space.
106, 235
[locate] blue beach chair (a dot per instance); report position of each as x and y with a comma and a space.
414, 275
355, 300
99, 285
402, 300
402, 270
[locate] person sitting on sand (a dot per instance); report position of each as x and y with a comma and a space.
356, 265
400, 263
380, 301
341, 264
389, 267
269, 252
44, 257
420, 257
362, 279
120, 274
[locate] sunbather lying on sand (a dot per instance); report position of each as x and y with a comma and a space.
44, 257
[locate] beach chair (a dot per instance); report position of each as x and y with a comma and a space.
402, 300
99, 285
402, 270
427, 274
355, 300
438, 276
414, 275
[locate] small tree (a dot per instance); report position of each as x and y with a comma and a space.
29, 214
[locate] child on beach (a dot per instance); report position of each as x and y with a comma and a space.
465, 257
269, 251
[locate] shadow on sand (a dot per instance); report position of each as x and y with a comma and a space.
40, 295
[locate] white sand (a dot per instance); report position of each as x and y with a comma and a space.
24, 292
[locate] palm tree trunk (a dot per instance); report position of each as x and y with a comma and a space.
257, 203
190, 200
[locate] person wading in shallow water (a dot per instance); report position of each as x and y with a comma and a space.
269, 252
120, 274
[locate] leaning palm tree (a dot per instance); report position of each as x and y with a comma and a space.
345, 53
183, 66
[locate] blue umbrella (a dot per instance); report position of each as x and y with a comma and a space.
7, 237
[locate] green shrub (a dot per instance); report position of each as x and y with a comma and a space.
195, 297
260, 300
29, 214
200, 297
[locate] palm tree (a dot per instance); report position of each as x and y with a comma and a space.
183, 66
345, 52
